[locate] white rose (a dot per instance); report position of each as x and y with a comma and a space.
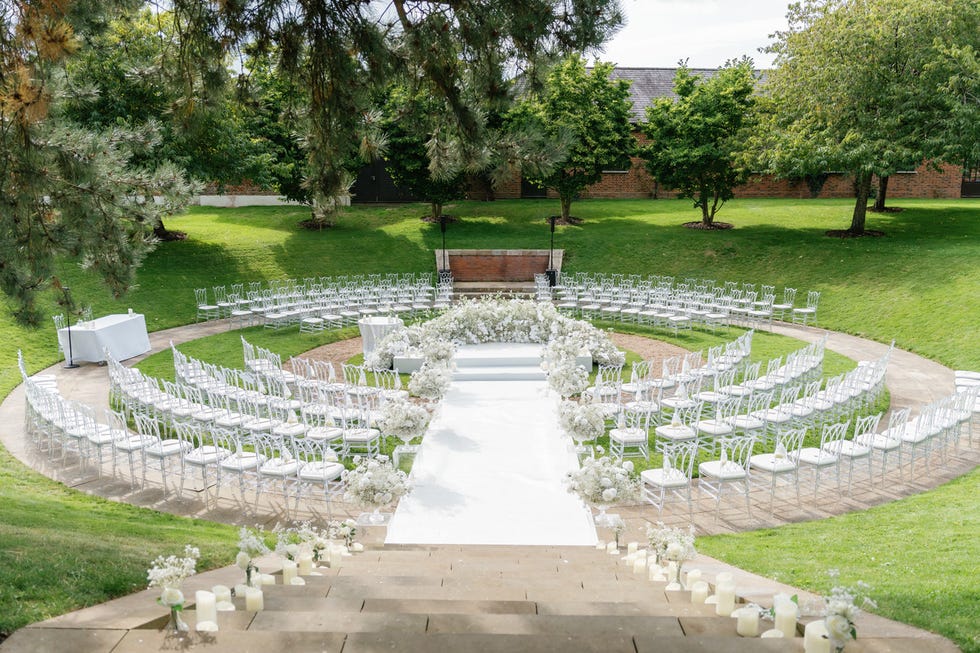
171, 597
628, 465
609, 494
243, 560
605, 481
838, 628
292, 550
674, 551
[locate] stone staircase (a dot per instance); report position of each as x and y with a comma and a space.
499, 362
449, 598
473, 289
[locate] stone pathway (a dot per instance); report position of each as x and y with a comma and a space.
481, 598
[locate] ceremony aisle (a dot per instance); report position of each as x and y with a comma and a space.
491, 470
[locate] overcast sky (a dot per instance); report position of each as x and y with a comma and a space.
658, 33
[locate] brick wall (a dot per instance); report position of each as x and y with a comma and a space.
497, 265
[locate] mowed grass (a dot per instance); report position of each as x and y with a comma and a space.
920, 284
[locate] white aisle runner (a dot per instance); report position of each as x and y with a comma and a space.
491, 470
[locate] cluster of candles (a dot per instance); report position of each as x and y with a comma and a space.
747, 618
219, 599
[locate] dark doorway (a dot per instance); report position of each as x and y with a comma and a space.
971, 182
375, 185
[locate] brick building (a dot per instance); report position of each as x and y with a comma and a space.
651, 83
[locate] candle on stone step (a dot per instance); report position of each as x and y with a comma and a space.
305, 566
726, 599
297, 581
772, 632
699, 592
240, 589
632, 547
221, 593
693, 576
815, 637
268, 579
655, 572
611, 548
640, 565
205, 607
724, 576
600, 545
289, 571
784, 615
747, 624
254, 600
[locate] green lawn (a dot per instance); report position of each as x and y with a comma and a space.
920, 285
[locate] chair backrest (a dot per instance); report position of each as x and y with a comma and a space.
640, 371
832, 436
737, 450
681, 456
751, 372
726, 409
201, 295
670, 367
812, 298
609, 375
866, 424
59, 320
354, 374
758, 401
789, 295
387, 379
792, 442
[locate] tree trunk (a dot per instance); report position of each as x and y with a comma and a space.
882, 192
707, 216
436, 210
863, 187
164, 234
566, 207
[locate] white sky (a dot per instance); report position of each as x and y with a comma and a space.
659, 33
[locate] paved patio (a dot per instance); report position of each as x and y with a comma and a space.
482, 598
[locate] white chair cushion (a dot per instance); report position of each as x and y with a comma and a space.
670, 432
853, 449
664, 477
321, 470
768, 462
628, 435
726, 471
818, 457
243, 461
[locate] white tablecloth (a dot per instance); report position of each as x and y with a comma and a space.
373, 329
124, 335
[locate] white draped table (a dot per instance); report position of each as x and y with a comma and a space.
373, 329
123, 335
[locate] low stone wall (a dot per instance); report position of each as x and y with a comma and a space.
497, 264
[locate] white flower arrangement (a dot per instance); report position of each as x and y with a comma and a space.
403, 419
430, 382
251, 545
375, 482
842, 610
568, 379
343, 530
603, 481
671, 543
495, 320
582, 421
168, 574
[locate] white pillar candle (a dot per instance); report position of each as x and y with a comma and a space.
221, 593
268, 579
693, 576
305, 567
289, 570
632, 547
357, 547
254, 600
726, 599
748, 622
772, 632
600, 545
785, 618
297, 581
724, 577
205, 606
611, 548
699, 592
640, 565
240, 589
655, 572
815, 637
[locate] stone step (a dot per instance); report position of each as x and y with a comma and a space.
488, 643
466, 361
499, 374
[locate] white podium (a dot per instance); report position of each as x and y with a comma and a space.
124, 335
373, 329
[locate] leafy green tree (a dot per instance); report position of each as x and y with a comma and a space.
864, 86
66, 189
345, 52
408, 128
695, 140
589, 113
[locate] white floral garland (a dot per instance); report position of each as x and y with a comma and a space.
476, 321
403, 419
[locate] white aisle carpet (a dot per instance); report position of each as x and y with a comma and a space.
491, 470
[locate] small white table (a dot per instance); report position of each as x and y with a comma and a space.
124, 335
374, 329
